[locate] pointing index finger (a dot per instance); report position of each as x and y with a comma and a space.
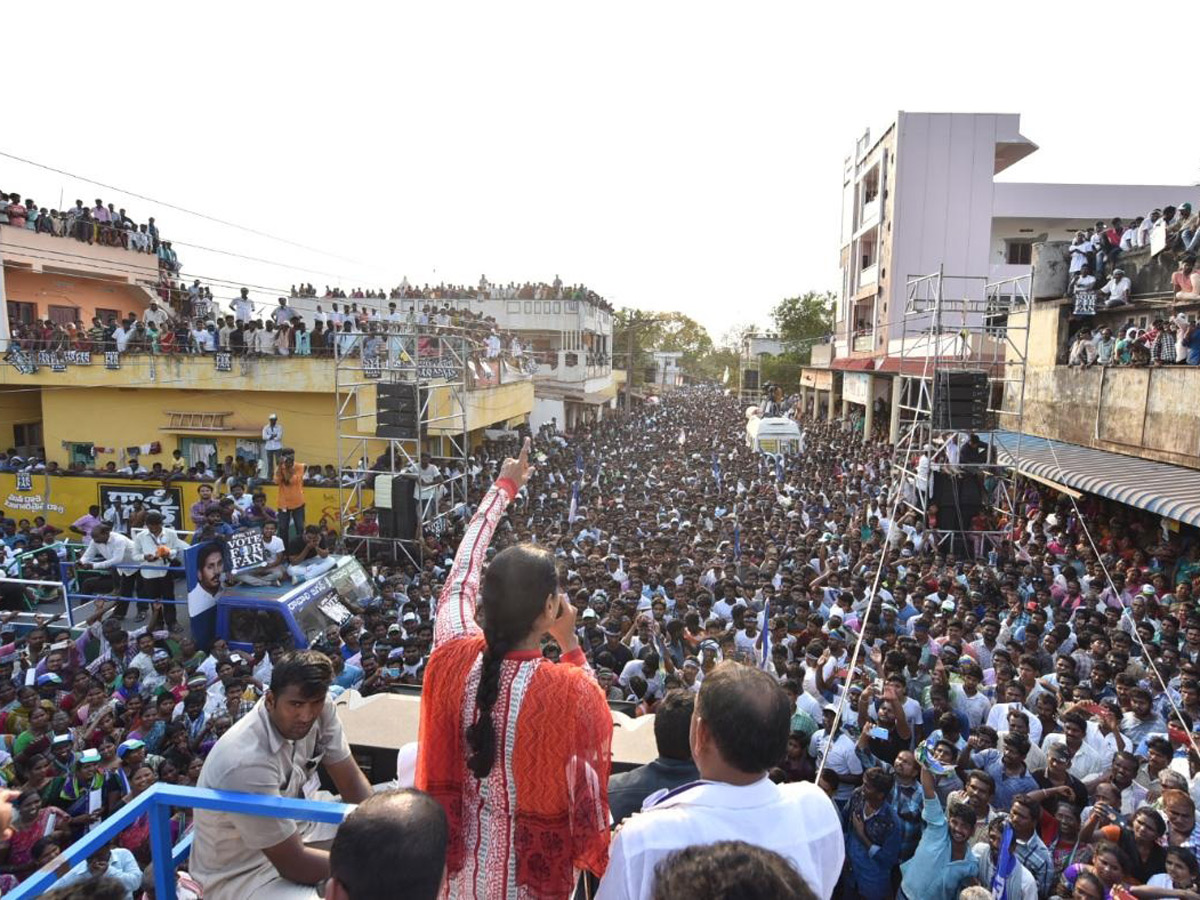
524, 457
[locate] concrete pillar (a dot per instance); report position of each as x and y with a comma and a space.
834, 396
869, 412
845, 408
894, 425
804, 400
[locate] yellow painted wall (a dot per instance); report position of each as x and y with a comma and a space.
62, 500
121, 417
17, 408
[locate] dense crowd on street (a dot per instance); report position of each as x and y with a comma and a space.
864, 707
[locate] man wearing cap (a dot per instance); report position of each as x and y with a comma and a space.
156, 548
275, 751
82, 793
272, 436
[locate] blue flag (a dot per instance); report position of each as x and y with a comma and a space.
765, 662
578, 462
737, 541
1004, 866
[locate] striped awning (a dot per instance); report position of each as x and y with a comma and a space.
1160, 488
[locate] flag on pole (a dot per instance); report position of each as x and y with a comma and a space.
725, 377
578, 462
682, 437
779, 467
1004, 866
737, 541
573, 512
765, 662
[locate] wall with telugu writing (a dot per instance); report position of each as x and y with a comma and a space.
62, 500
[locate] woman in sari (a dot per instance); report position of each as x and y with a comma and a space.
527, 779
34, 822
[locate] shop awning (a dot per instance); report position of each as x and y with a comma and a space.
1160, 488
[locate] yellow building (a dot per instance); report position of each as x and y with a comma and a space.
92, 409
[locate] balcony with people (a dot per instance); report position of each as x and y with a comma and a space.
1114, 348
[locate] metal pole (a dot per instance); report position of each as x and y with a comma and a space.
160, 851
629, 369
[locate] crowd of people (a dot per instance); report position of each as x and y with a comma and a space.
485, 290
101, 224
193, 324
865, 706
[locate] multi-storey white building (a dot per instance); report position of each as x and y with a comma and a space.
923, 195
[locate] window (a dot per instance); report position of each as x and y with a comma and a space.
21, 313
27, 438
63, 315
82, 453
104, 315
1018, 253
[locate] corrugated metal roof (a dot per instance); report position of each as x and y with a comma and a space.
1160, 488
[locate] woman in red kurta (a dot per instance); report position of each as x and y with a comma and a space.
514, 747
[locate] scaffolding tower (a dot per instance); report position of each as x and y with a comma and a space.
962, 329
373, 457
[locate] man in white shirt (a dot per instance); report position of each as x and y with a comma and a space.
281, 314
107, 550
739, 730
243, 308
156, 316
158, 547
1118, 289
272, 571
272, 435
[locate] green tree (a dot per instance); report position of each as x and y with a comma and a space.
803, 320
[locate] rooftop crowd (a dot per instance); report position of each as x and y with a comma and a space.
191, 322
485, 290
101, 224
1015, 723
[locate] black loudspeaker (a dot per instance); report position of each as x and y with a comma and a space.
398, 411
961, 400
750, 379
959, 499
396, 507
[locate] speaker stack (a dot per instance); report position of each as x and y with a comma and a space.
960, 400
398, 411
396, 506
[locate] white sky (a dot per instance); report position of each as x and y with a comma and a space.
670, 155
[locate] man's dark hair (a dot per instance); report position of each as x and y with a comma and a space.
748, 715
728, 870
307, 669
672, 724
96, 887
392, 845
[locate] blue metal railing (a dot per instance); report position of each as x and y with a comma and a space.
157, 803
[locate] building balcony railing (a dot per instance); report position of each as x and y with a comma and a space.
868, 276
1133, 408
864, 342
572, 366
821, 355
225, 371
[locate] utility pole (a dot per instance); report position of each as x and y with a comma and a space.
629, 367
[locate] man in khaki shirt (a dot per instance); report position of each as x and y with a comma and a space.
275, 750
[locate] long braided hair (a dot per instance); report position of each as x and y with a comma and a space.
514, 592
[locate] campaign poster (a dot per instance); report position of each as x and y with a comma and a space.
167, 501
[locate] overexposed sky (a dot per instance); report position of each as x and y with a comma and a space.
672, 156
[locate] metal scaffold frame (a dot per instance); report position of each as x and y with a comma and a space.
435, 360
962, 323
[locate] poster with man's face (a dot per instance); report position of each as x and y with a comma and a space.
204, 566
